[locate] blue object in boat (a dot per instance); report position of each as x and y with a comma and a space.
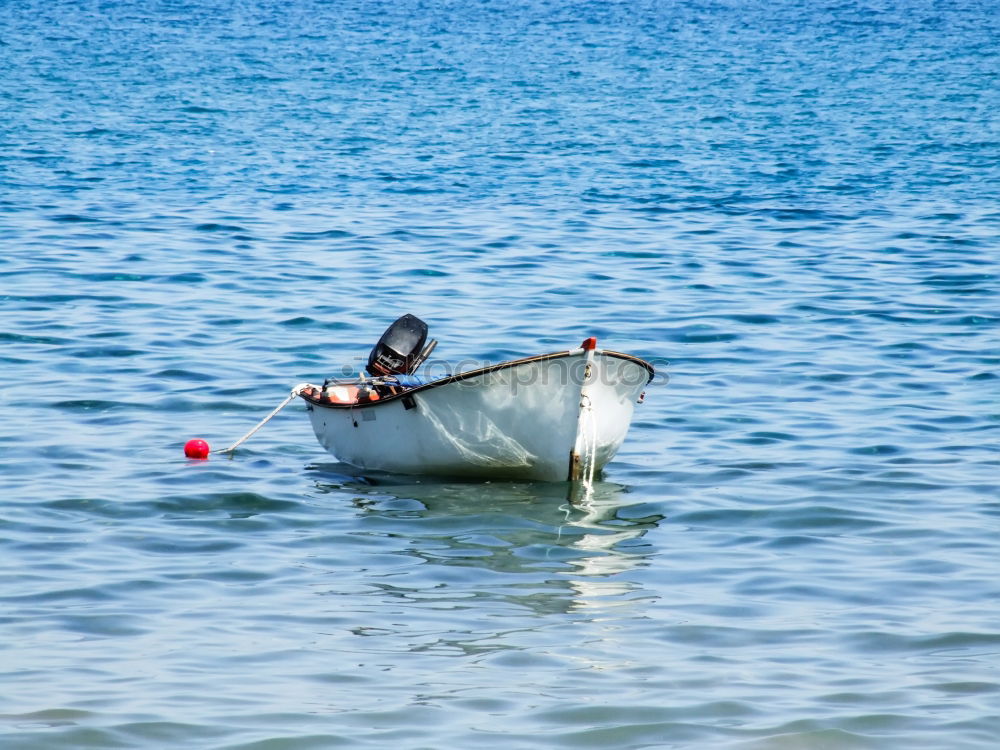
407, 381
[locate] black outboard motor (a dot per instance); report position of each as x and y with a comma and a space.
401, 350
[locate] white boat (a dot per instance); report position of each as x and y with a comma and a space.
555, 417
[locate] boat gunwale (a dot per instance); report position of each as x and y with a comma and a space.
448, 379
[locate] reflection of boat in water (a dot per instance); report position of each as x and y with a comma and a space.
553, 417
556, 548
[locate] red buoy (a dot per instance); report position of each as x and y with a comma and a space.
196, 448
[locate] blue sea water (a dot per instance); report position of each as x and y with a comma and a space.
793, 208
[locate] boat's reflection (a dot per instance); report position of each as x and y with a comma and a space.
560, 547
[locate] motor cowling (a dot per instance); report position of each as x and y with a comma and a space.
399, 350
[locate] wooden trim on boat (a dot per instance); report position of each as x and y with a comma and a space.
409, 392
574, 467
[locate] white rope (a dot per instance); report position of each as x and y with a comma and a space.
589, 427
295, 392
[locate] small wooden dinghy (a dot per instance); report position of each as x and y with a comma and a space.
555, 417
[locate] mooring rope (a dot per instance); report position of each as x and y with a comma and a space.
295, 392
589, 427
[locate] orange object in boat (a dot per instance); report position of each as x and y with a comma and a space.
349, 394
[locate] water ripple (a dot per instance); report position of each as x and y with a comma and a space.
789, 208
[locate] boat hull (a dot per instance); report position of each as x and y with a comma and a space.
541, 418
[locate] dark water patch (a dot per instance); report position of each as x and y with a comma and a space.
75, 219
94, 132
690, 337
213, 227
44, 299
102, 335
68, 738
70, 597
184, 278
328, 234
112, 276
226, 322
652, 163
638, 254
966, 688
753, 319
105, 352
416, 190
877, 450
833, 377
257, 78
420, 272
929, 387
954, 642
192, 376
974, 320
28, 339
765, 465
794, 541
958, 283
195, 109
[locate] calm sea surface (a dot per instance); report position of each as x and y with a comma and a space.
796, 205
